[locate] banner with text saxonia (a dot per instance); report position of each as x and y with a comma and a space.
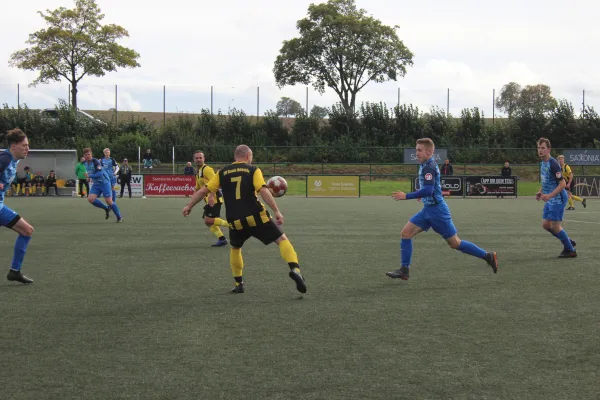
332, 186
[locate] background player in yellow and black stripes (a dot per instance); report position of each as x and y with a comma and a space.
212, 209
247, 216
569, 177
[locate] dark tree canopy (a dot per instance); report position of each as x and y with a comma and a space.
342, 48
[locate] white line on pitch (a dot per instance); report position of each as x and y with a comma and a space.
582, 222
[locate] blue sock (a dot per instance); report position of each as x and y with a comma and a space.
20, 250
99, 204
471, 249
114, 197
115, 209
564, 238
406, 251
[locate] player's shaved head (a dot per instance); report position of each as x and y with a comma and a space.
241, 151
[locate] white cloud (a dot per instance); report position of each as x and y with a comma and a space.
469, 46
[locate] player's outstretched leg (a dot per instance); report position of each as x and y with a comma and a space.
25, 231
237, 266
114, 195
113, 206
413, 227
405, 258
473, 250
289, 255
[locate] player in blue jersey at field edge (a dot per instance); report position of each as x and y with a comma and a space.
18, 148
555, 196
112, 168
435, 214
100, 185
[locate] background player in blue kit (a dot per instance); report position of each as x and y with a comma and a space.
112, 168
100, 185
18, 148
555, 196
435, 214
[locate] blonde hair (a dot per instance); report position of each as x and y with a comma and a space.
428, 143
560, 157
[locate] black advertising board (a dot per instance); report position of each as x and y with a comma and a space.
451, 185
490, 186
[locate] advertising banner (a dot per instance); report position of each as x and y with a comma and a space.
586, 186
451, 185
169, 185
332, 186
490, 186
410, 156
582, 157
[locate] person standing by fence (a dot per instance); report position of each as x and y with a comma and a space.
125, 177
80, 171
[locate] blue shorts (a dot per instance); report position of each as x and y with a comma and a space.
554, 212
8, 217
437, 217
113, 181
101, 189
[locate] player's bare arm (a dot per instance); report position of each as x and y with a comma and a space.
268, 198
196, 198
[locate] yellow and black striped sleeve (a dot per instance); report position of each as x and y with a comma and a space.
214, 184
258, 180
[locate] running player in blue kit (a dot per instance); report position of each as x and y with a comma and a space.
555, 196
112, 168
18, 148
435, 214
100, 185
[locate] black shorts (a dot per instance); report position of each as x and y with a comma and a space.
266, 233
212, 212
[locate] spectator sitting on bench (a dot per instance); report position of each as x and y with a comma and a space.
51, 182
37, 182
25, 182
15, 185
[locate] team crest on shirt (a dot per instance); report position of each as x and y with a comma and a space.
428, 177
558, 175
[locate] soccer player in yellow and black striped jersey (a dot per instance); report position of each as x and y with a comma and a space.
569, 177
247, 216
212, 212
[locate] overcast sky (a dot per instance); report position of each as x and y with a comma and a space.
468, 46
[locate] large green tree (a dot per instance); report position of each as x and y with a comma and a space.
537, 99
342, 48
508, 101
73, 45
286, 107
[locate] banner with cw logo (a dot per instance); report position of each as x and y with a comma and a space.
332, 186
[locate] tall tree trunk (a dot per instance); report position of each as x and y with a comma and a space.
73, 89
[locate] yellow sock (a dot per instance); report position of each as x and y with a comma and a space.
221, 222
237, 263
570, 202
216, 231
287, 252
576, 198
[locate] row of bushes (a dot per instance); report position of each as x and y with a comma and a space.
374, 134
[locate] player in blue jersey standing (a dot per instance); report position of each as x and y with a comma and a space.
100, 185
18, 148
435, 214
555, 196
112, 168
